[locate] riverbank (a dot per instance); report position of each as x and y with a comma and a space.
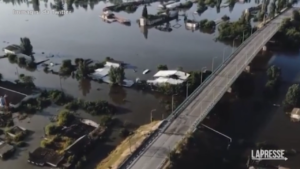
127, 146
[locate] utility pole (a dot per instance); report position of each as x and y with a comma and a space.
187, 89
202, 70
224, 55
232, 45
229, 138
129, 140
172, 103
151, 114
60, 83
212, 64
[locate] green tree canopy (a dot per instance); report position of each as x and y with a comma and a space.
26, 46
274, 72
116, 75
162, 67
145, 12
292, 96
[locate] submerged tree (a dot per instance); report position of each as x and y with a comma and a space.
116, 75
292, 97
274, 72
145, 12
26, 46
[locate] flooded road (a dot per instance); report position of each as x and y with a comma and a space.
82, 34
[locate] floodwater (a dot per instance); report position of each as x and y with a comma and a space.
83, 34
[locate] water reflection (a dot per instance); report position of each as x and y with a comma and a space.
84, 85
117, 95
164, 27
36, 5
57, 5
144, 31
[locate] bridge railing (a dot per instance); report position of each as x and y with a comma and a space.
192, 96
209, 79
255, 50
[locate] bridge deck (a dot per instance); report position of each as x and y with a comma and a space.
154, 153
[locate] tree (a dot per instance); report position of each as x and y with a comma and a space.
65, 117
273, 72
296, 15
26, 46
162, 67
85, 86
292, 96
272, 9
21, 61
116, 75
145, 12
82, 70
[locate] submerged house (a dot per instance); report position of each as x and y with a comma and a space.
173, 77
12, 98
16, 50
5, 149
44, 156
13, 49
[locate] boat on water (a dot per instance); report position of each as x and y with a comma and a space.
146, 71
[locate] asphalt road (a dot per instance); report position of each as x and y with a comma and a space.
153, 153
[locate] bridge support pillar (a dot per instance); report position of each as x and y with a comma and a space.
264, 48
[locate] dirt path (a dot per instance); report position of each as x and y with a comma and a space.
116, 157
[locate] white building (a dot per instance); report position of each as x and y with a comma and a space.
13, 49
173, 77
114, 63
16, 50
102, 74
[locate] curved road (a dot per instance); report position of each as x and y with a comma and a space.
156, 149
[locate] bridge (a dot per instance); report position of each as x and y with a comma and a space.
153, 153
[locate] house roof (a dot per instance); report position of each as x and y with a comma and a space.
115, 61
12, 96
44, 155
162, 80
77, 146
168, 73
100, 73
14, 47
77, 130
4, 147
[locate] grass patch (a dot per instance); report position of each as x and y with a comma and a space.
117, 156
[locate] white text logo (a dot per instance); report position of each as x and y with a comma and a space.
268, 155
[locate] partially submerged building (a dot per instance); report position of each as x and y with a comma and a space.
5, 149
42, 156
16, 50
103, 73
16, 130
13, 98
173, 77
114, 63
